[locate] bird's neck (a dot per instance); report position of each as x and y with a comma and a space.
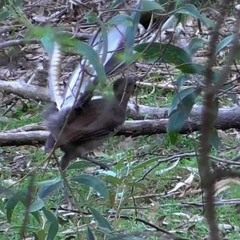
123, 98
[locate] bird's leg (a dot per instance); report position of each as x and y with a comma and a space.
101, 165
71, 153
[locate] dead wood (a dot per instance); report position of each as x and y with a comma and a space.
25, 90
23, 138
227, 118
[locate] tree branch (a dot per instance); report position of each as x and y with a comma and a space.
25, 90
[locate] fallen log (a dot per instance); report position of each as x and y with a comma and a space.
227, 118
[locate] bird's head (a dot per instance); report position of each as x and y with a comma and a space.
123, 88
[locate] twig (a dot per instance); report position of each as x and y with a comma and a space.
208, 119
170, 159
152, 225
11, 43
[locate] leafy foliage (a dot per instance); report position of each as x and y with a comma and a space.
118, 189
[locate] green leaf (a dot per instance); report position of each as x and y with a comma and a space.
4, 14
121, 19
191, 10
37, 216
6, 192
90, 235
12, 203
81, 164
18, 3
53, 228
49, 36
87, 51
151, 5
113, 180
131, 33
181, 107
145, 164
41, 235
163, 52
224, 43
37, 205
40, 32
173, 137
102, 222
92, 18
129, 59
49, 187
170, 54
93, 182
195, 45
181, 81
47, 39
192, 68
180, 96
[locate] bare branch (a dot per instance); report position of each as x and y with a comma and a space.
17, 42
208, 119
25, 90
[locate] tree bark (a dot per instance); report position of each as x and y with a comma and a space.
149, 120
25, 90
227, 118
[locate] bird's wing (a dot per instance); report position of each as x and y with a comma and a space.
94, 122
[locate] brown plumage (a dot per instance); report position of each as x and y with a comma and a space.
88, 127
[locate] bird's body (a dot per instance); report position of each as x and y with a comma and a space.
89, 126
